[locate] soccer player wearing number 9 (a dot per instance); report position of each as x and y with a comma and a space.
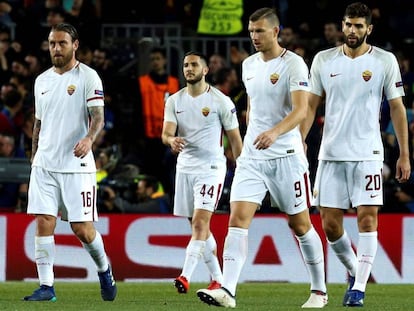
272, 160
354, 77
194, 120
69, 113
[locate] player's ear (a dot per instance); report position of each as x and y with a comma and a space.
76, 45
370, 27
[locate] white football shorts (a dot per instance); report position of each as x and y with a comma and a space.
70, 195
195, 191
340, 184
286, 179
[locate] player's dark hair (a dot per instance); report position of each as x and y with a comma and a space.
358, 9
267, 13
199, 54
68, 28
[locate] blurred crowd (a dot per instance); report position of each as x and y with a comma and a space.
135, 170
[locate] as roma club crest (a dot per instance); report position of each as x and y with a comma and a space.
274, 77
71, 89
366, 75
205, 111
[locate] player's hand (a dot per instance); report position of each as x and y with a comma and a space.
82, 148
403, 170
264, 140
177, 144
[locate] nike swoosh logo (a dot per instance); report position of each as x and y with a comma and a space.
86, 213
297, 204
44, 92
374, 195
181, 111
249, 78
334, 74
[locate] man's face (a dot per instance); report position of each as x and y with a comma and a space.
194, 69
262, 34
61, 48
142, 190
355, 31
157, 62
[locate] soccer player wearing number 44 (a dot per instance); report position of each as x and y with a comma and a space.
69, 114
354, 77
195, 119
272, 160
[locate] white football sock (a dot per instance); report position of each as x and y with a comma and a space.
97, 251
367, 250
211, 260
312, 251
345, 253
194, 251
45, 257
234, 257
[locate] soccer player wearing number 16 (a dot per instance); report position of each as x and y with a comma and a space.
354, 77
69, 114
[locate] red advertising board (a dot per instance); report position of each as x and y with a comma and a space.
152, 248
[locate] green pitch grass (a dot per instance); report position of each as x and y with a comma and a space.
163, 296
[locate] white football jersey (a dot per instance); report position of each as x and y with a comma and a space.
354, 91
268, 85
200, 121
61, 104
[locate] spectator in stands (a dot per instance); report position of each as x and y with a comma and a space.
226, 80
7, 54
85, 55
103, 65
5, 88
407, 74
25, 87
215, 62
155, 87
13, 196
55, 15
288, 38
148, 198
332, 36
5, 13
25, 137
11, 116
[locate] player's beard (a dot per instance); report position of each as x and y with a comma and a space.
358, 42
62, 61
196, 79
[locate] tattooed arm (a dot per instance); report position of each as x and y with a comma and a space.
35, 137
97, 122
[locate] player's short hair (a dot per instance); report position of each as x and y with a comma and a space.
358, 9
68, 28
199, 54
267, 13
